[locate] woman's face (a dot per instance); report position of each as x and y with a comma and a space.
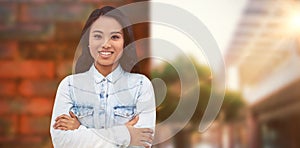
106, 41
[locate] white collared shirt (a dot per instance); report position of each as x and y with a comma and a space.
103, 105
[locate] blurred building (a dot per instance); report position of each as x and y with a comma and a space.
265, 55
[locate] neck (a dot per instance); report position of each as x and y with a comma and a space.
106, 70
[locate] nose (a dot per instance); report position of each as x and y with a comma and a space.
106, 44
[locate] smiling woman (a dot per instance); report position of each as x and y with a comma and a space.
106, 44
103, 104
123, 29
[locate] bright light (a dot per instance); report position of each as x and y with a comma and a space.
233, 78
295, 21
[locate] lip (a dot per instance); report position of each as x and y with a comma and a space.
105, 54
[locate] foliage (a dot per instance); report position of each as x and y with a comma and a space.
231, 105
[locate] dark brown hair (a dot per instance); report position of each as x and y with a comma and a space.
128, 61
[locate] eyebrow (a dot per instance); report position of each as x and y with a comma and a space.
97, 31
114, 32
117, 32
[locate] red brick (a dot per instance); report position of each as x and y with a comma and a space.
7, 88
38, 106
29, 106
38, 88
50, 12
8, 50
30, 139
11, 106
8, 13
68, 31
48, 50
28, 1
27, 31
37, 50
27, 69
8, 126
64, 68
66, 50
31, 125
9, 69
27, 141
4, 106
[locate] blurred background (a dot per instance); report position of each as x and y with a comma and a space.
259, 41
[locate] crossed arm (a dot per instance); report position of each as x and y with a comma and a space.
139, 136
66, 130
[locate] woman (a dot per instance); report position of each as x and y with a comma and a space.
98, 106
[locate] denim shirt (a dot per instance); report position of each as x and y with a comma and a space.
103, 105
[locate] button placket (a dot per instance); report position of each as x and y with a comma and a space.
103, 100
103, 92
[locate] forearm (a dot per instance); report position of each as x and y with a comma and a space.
84, 137
146, 105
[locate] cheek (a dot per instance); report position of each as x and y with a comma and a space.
93, 47
120, 50
120, 47
93, 52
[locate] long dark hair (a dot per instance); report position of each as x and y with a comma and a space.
128, 61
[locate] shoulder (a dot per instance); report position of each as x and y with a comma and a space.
138, 78
70, 79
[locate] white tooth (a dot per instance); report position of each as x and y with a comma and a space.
106, 53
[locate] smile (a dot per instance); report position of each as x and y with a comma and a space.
105, 52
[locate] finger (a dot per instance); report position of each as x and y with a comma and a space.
143, 143
64, 116
55, 126
133, 121
58, 126
72, 114
62, 128
59, 117
147, 138
63, 121
63, 125
147, 130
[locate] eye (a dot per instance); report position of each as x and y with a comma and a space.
97, 36
115, 37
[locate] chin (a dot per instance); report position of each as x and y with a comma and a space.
105, 64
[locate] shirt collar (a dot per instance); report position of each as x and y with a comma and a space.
112, 77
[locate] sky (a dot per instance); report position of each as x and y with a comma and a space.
221, 17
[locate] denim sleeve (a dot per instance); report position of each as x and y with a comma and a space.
146, 105
83, 137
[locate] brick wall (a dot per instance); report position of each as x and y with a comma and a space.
38, 39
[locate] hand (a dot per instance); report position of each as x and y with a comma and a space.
140, 136
133, 121
65, 122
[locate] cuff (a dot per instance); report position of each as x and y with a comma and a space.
121, 136
82, 127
